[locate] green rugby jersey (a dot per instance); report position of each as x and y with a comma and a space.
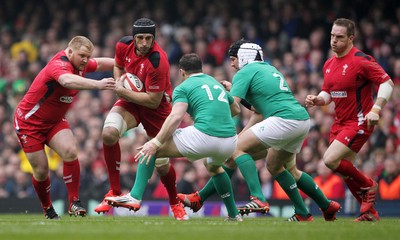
265, 88
208, 104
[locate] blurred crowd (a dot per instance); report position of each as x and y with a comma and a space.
295, 38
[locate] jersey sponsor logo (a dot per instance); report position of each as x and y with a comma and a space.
128, 59
154, 87
339, 94
66, 99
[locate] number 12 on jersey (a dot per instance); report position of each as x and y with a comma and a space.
221, 96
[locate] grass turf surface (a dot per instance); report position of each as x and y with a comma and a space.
34, 226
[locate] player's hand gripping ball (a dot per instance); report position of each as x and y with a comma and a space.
132, 82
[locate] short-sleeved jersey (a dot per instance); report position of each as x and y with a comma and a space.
46, 101
350, 80
265, 88
152, 69
208, 105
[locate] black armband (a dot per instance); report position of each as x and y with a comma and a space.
246, 104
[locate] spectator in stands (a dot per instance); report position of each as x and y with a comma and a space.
389, 183
330, 184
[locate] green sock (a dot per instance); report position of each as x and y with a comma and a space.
249, 171
223, 186
288, 184
309, 187
143, 174
209, 189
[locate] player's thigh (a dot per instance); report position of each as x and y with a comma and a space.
64, 144
248, 142
168, 149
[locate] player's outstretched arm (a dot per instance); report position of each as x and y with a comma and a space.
77, 82
104, 64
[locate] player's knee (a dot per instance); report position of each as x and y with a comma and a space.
40, 172
69, 153
273, 167
331, 164
230, 163
110, 135
162, 166
214, 170
161, 162
114, 126
40, 175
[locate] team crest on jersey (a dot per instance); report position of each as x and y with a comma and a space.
344, 69
23, 138
141, 69
339, 94
128, 59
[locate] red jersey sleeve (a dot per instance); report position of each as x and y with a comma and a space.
91, 66
373, 71
119, 54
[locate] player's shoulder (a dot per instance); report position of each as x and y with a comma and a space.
359, 55
158, 56
59, 60
126, 40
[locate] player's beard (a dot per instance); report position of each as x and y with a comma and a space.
143, 50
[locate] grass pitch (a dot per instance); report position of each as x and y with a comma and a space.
34, 226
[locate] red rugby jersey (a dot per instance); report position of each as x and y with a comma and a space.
46, 101
152, 69
350, 81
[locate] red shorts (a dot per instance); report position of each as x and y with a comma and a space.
151, 119
351, 135
33, 137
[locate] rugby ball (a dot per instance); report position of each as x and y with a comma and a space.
132, 82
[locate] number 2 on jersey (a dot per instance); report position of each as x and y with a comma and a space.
281, 82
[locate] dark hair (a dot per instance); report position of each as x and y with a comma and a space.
347, 23
191, 63
144, 25
234, 48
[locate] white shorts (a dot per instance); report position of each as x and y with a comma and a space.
279, 133
195, 145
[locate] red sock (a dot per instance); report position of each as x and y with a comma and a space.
347, 169
42, 189
112, 155
72, 177
169, 182
354, 188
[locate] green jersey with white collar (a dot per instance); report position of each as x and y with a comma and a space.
208, 105
265, 88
